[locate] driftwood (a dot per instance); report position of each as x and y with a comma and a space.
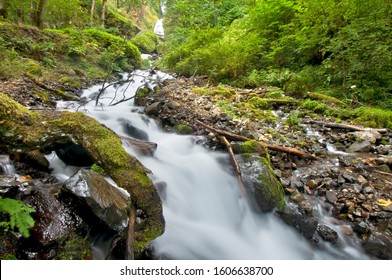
348, 127
223, 140
273, 147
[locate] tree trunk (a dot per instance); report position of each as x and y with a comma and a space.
3, 9
24, 130
103, 17
92, 10
37, 13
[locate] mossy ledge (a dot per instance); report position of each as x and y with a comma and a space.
24, 130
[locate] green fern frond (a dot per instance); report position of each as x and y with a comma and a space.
18, 214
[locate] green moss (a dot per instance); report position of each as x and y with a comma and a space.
373, 117
273, 189
120, 24
146, 41
292, 119
97, 169
200, 90
253, 146
74, 248
8, 257
69, 81
315, 106
325, 98
183, 129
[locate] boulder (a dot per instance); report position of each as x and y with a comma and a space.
260, 181
95, 195
303, 223
53, 220
133, 131
360, 147
379, 245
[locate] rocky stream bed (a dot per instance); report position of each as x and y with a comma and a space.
347, 178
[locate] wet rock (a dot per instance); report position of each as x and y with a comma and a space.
305, 224
379, 245
94, 194
331, 196
153, 109
183, 129
143, 147
360, 227
34, 158
53, 220
360, 147
261, 182
133, 131
72, 154
383, 149
327, 233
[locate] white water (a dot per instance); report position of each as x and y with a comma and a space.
158, 29
206, 217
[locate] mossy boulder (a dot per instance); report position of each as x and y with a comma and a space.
263, 187
183, 129
146, 41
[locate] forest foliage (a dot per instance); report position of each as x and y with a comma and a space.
337, 47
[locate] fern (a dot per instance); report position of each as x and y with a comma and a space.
18, 214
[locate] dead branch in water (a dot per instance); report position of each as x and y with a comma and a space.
273, 147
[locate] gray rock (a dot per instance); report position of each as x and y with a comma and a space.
304, 224
360, 147
331, 197
104, 201
371, 136
173, 105
327, 233
379, 245
153, 109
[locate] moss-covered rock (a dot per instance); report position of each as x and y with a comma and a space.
23, 130
146, 41
263, 187
183, 129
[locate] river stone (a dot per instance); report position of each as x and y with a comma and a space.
304, 224
133, 131
106, 202
371, 136
260, 182
153, 109
331, 197
360, 147
327, 233
379, 245
53, 220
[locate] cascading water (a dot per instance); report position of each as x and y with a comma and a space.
206, 216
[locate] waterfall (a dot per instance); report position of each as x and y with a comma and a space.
206, 217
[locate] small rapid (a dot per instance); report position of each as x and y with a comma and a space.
206, 216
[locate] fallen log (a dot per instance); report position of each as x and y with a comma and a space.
273, 147
348, 127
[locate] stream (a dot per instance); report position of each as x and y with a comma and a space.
206, 216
